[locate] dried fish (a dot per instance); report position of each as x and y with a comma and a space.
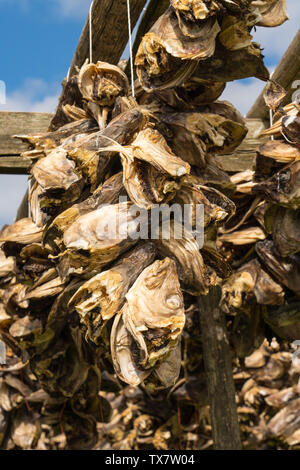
97, 238
274, 12
165, 45
89, 153
283, 187
280, 151
244, 236
108, 193
195, 134
151, 169
250, 280
102, 83
283, 224
274, 94
291, 129
89, 296
153, 331
179, 244
285, 270
100, 298
59, 180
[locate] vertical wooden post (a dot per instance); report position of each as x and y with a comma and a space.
218, 366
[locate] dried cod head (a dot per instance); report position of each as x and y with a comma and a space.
32, 262
124, 352
102, 83
151, 170
226, 65
145, 185
274, 12
284, 225
235, 32
283, 187
59, 179
89, 153
166, 57
192, 10
250, 280
285, 270
244, 236
100, 298
150, 323
23, 232
191, 94
48, 141
176, 242
193, 135
191, 194
290, 126
280, 151
108, 193
98, 238
274, 94
150, 146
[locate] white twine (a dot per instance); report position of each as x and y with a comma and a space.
271, 121
130, 42
91, 33
130, 48
68, 76
29, 207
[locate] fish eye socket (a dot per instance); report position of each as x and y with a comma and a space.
173, 301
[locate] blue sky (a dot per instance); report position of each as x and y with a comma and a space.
37, 42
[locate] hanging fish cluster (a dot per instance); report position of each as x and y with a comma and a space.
81, 301
263, 240
267, 395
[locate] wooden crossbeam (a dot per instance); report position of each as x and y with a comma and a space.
286, 74
243, 158
110, 31
12, 123
11, 161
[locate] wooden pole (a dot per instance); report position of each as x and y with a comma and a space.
110, 31
218, 366
22, 212
286, 74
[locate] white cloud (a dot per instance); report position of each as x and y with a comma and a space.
72, 8
34, 96
242, 94
12, 190
275, 41
77, 9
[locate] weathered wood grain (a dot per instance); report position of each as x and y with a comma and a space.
23, 123
286, 74
110, 31
219, 376
243, 157
22, 211
12, 123
14, 165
